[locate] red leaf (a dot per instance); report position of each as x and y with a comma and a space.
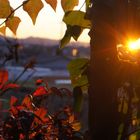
39, 81
41, 113
3, 77
10, 86
40, 91
27, 102
13, 100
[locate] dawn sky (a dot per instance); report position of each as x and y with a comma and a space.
48, 25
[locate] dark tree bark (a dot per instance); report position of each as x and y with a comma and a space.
104, 78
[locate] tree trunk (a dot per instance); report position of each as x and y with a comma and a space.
104, 118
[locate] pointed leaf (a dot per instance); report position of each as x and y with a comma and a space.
41, 113
5, 8
3, 77
3, 29
68, 5
41, 90
13, 23
76, 68
53, 3
76, 18
13, 100
33, 8
10, 86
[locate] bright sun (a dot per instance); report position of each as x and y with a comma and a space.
134, 45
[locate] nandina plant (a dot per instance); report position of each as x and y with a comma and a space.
31, 120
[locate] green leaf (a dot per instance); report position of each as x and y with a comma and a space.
52, 3
75, 31
78, 99
88, 2
65, 40
72, 31
33, 8
12, 23
76, 68
68, 5
76, 18
3, 29
5, 8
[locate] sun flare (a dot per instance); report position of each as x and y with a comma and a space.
134, 45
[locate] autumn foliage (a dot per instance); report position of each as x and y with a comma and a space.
29, 119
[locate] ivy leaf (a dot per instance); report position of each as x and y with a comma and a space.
13, 23
76, 18
3, 30
5, 8
68, 5
33, 8
76, 68
52, 3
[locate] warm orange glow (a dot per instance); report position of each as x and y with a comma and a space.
134, 45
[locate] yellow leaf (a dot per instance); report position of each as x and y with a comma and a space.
68, 5
13, 23
5, 8
133, 137
76, 126
33, 8
76, 18
53, 3
3, 29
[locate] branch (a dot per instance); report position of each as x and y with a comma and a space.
13, 11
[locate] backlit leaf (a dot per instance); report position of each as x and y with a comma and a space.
33, 8
41, 90
68, 5
3, 77
76, 126
41, 113
3, 29
10, 86
13, 23
76, 18
76, 68
5, 8
13, 100
53, 3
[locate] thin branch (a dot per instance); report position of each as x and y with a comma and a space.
13, 11
82, 5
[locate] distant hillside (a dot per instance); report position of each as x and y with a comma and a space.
49, 42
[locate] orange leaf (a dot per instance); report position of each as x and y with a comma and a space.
41, 113
3, 29
27, 102
33, 8
68, 5
13, 100
3, 77
5, 8
13, 23
52, 3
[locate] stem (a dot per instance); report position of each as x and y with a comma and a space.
20, 75
82, 5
